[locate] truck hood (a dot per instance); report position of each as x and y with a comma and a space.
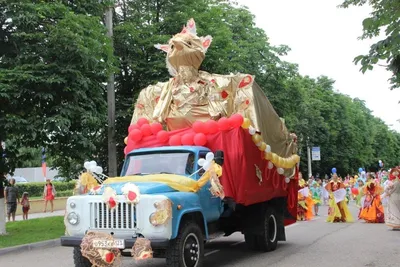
144, 187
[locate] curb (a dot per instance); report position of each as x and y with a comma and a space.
32, 246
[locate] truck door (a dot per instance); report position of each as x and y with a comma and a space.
212, 206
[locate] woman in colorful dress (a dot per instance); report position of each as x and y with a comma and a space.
392, 192
316, 194
338, 210
372, 209
305, 202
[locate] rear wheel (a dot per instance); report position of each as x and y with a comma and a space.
79, 259
268, 240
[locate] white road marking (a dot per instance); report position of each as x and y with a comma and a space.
211, 252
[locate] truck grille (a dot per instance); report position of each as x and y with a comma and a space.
122, 217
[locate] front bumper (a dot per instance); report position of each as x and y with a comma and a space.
72, 241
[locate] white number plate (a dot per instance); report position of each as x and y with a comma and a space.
102, 243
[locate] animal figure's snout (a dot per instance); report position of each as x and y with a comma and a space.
177, 44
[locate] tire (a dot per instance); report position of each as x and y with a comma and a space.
251, 241
79, 259
187, 249
268, 240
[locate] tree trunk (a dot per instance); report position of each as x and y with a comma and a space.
2, 217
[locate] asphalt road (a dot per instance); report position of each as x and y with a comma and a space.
314, 243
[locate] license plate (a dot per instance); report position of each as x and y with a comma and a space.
102, 243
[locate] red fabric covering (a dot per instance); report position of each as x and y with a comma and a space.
239, 177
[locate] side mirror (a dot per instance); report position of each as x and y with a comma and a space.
219, 157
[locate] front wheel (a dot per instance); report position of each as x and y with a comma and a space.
79, 259
187, 249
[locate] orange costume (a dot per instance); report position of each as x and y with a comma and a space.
305, 202
372, 209
338, 210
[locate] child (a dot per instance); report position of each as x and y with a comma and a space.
316, 193
25, 205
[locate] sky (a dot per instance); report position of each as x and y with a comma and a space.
324, 41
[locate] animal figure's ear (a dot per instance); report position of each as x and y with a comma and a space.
191, 27
206, 42
163, 47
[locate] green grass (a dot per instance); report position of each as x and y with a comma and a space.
32, 230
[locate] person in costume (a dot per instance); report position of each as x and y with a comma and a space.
372, 210
359, 196
338, 210
305, 202
316, 194
392, 192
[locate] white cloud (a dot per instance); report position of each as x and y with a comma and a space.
324, 41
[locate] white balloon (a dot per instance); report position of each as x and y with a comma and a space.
99, 170
268, 149
280, 171
207, 165
380, 161
210, 156
93, 163
287, 180
93, 169
201, 162
252, 130
86, 165
270, 165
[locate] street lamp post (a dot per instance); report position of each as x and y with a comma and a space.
309, 157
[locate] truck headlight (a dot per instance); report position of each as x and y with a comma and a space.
162, 214
73, 218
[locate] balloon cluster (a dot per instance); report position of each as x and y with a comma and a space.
206, 163
136, 132
91, 166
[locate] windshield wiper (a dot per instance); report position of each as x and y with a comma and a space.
140, 173
166, 173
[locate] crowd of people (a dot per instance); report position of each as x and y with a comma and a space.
377, 196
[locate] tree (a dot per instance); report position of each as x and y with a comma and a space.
53, 63
384, 18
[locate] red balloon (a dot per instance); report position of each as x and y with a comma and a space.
162, 136
200, 139
136, 135
175, 140
146, 129
132, 127
156, 127
142, 121
187, 139
212, 126
236, 120
223, 124
125, 150
199, 127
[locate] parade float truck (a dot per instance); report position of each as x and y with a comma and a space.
206, 156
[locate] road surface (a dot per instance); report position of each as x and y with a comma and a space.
314, 243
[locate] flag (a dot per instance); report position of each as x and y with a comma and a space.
44, 167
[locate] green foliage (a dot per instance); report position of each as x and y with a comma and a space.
383, 19
52, 69
36, 189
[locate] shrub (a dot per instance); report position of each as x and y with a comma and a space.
67, 193
36, 189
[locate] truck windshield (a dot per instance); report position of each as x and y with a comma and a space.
181, 163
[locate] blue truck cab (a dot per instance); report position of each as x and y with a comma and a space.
196, 216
